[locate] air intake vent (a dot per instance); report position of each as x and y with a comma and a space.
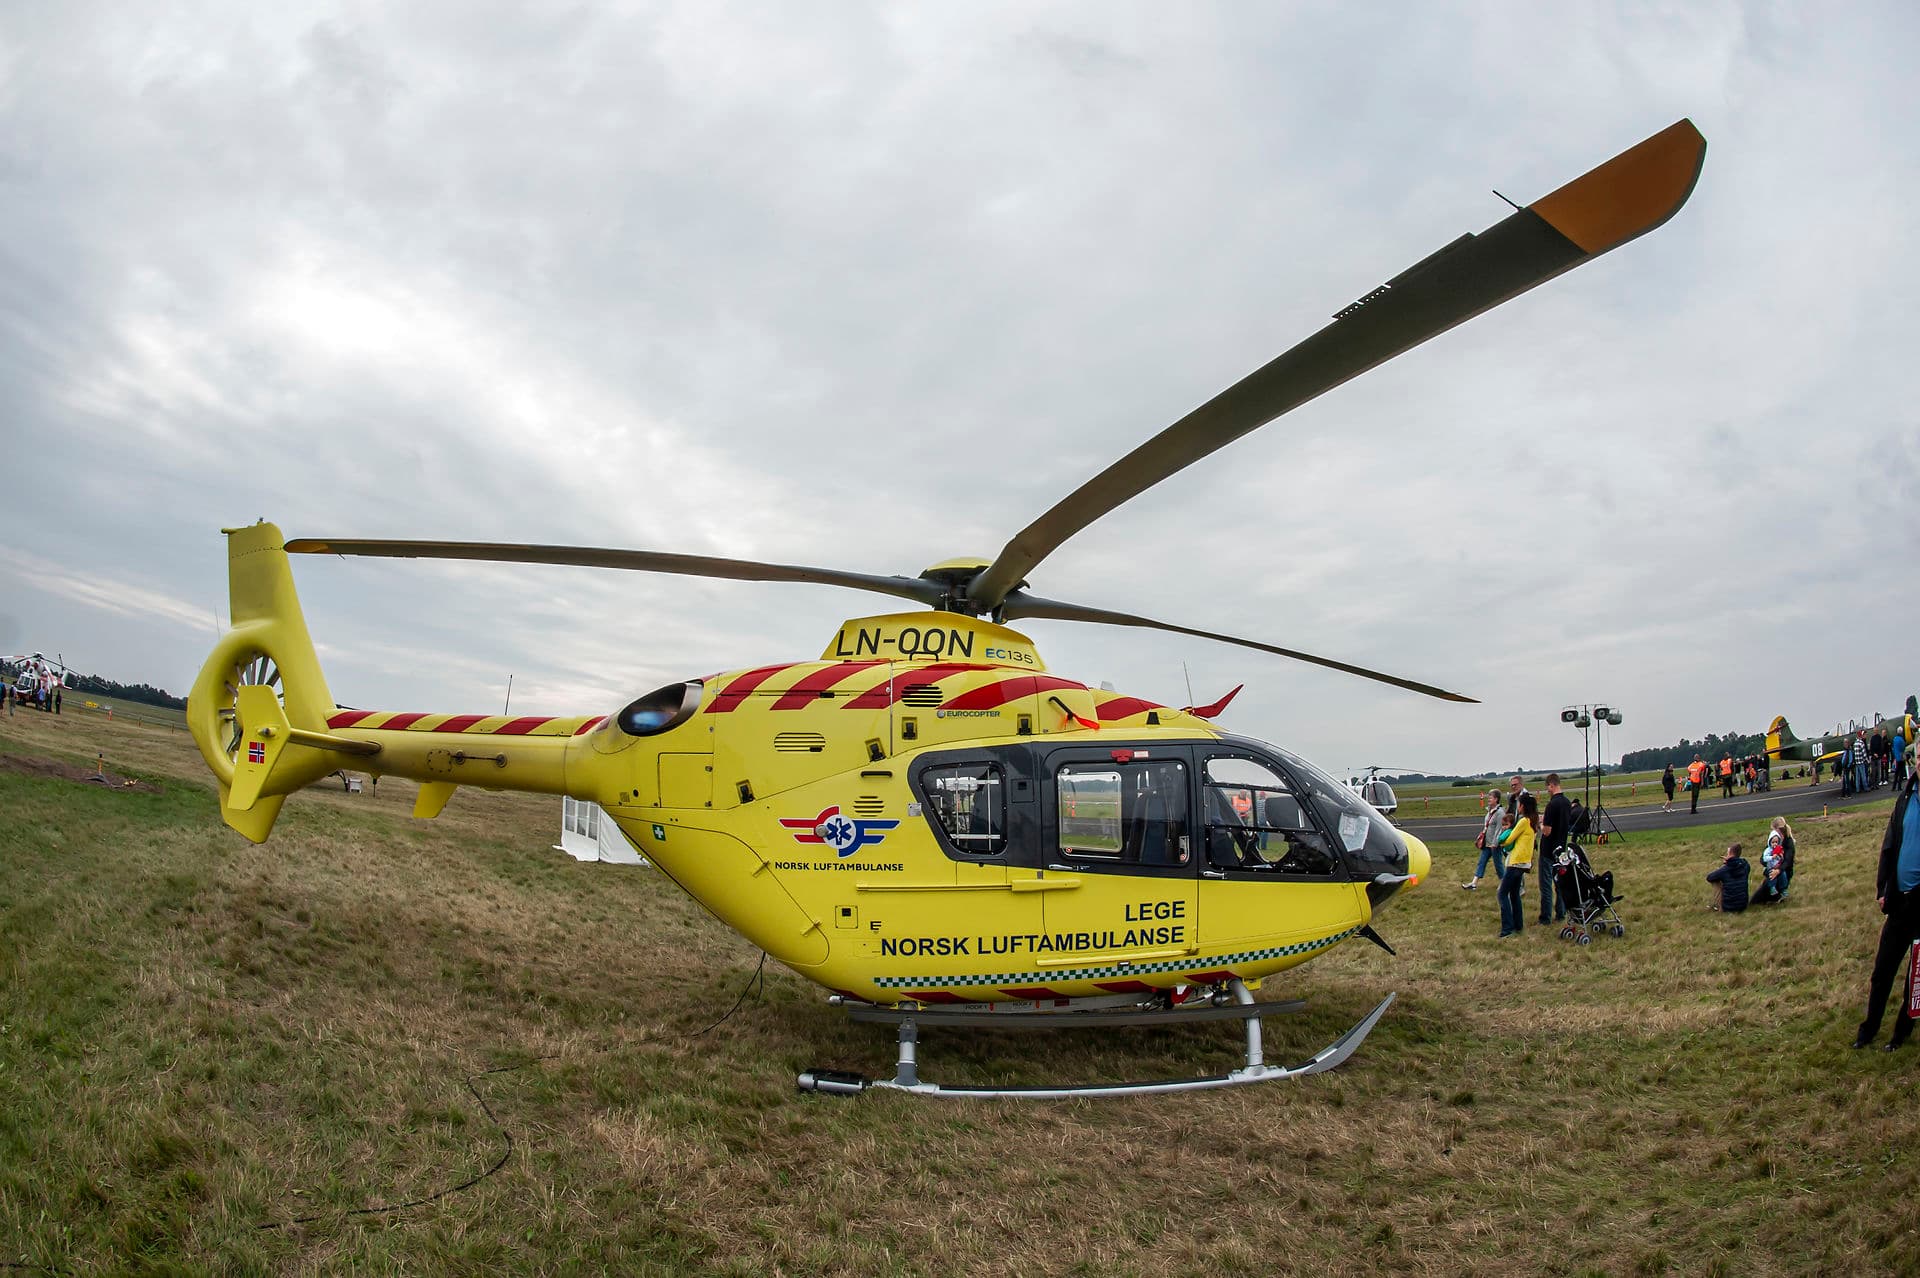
799, 742
922, 694
868, 805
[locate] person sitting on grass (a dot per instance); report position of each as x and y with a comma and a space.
1776, 864
1731, 878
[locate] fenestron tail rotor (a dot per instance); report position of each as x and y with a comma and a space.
250, 669
1626, 197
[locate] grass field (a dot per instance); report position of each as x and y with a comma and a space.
1621, 791
202, 1040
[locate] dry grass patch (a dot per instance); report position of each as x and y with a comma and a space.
198, 1037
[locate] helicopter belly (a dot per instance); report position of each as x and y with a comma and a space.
1127, 919
1271, 926
732, 880
1035, 936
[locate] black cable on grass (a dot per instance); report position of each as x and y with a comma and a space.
500, 1162
758, 978
751, 981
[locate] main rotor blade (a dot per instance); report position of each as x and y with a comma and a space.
915, 588
1622, 199
1021, 604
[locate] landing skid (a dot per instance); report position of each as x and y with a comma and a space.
906, 1076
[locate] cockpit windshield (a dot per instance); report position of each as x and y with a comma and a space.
1345, 812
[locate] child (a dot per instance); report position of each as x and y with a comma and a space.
1731, 878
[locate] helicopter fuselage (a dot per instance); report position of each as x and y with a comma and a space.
927, 814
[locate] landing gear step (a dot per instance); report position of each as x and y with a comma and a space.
906, 1076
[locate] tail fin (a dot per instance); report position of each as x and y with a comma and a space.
1783, 745
261, 690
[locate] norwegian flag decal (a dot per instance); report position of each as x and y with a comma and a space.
256, 752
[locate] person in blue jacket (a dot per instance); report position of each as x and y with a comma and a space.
1731, 878
1898, 885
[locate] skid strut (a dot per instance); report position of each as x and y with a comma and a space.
906, 1075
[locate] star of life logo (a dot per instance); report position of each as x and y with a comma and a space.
844, 834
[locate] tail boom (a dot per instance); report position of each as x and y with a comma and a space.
266, 724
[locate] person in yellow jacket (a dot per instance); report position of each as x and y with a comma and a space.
1518, 843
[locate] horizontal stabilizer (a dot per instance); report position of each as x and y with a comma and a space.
432, 800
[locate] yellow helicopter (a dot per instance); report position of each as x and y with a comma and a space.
925, 820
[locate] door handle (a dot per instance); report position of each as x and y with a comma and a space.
1213, 874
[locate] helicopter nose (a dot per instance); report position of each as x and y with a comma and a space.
1419, 860
1399, 869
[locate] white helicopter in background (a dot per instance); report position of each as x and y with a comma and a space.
35, 675
1373, 788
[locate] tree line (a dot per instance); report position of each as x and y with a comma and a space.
145, 693
1712, 748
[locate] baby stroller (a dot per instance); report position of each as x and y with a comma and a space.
1589, 897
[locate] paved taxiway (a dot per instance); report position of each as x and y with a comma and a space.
1790, 799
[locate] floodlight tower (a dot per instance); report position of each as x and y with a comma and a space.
1595, 716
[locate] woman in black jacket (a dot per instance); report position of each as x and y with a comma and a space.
1898, 885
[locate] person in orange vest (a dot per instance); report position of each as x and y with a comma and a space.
1726, 777
1696, 780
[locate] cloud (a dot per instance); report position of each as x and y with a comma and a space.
870, 288
104, 593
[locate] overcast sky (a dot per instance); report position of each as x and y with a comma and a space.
870, 287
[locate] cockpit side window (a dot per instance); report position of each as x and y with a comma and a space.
1255, 821
1132, 813
969, 801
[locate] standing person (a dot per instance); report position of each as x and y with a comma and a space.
1666, 783
1897, 749
1860, 783
56, 699
1898, 884
1516, 791
1696, 779
1731, 878
1553, 841
1518, 843
1726, 776
1493, 823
